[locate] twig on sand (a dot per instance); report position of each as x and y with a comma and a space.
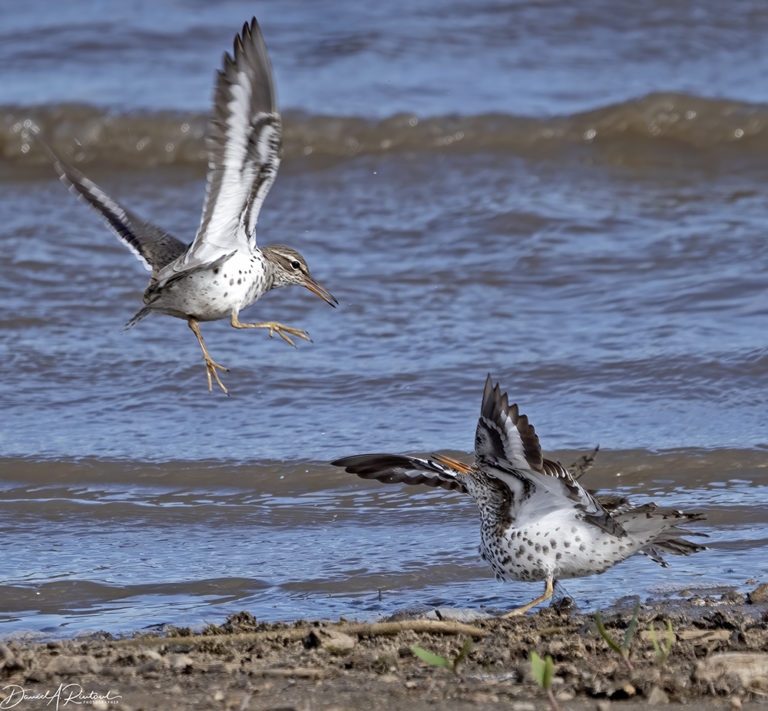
371, 629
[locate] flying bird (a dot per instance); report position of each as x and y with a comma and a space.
538, 523
223, 270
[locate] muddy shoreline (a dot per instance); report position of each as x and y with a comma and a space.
719, 659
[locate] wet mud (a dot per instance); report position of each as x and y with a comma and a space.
718, 659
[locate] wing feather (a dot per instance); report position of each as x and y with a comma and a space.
504, 434
395, 468
507, 448
244, 140
154, 247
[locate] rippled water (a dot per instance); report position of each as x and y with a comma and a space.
131, 544
569, 199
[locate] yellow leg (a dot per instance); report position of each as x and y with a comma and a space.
548, 592
274, 327
210, 365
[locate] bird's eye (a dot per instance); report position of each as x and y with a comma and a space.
295, 264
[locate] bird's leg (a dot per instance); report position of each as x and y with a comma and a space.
210, 365
548, 591
274, 327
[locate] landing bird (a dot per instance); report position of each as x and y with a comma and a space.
223, 270
537, 521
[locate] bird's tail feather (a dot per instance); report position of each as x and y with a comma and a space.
661, 527
140, 314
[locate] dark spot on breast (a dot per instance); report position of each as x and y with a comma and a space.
553, 543
558, 556
537, 548
567, 544
216, 271
225, 294
231, 281
582, 547
545, 549
530, 557
239, 281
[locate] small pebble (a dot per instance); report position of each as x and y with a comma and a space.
657, 697
759, 594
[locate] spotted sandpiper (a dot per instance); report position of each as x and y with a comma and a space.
537, 521
223, 270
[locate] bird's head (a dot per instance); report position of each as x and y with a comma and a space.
289, 267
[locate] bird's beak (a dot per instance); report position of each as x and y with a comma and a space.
322, 292
452, 463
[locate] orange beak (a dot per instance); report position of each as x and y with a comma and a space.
322, 292
452, 463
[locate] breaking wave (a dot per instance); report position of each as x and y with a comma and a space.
89, 134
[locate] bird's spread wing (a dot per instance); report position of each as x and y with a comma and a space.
154, 247
503, 434
243, 152
392, 468
507, 448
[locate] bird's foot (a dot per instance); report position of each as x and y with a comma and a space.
549, 590
211, 367
282, 330
276, 328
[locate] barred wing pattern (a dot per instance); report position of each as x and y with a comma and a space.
244, 154
507, 448
153, 246
395, 468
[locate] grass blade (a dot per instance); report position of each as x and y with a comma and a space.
431, 658
604, 634
463, 652
549, 672
656, 647
632, 627
670, 638
538, 668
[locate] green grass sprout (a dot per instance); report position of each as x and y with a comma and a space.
543, 672
662, 653
436, 660
621, 649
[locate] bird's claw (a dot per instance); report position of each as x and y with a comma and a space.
210, 370
283, 330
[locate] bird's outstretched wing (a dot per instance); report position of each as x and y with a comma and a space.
504, 435
244, 139
507, 448
393, 468
154, 247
